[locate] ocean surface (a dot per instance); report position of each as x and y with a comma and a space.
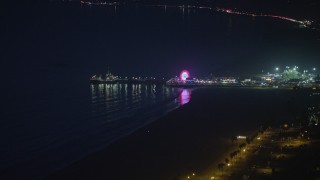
40, 139
50, 114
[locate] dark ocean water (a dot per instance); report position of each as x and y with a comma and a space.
51, 116
39, 139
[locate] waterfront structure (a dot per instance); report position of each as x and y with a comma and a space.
289, 78
185, 80
108, 78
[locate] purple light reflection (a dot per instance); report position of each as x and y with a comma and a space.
185, 96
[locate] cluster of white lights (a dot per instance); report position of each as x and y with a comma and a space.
241, 137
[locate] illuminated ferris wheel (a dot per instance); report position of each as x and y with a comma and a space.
184, 75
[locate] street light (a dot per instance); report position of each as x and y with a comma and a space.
277, 69
314, 69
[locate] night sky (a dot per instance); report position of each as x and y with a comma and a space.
144, 41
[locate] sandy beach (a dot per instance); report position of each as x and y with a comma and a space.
189, 139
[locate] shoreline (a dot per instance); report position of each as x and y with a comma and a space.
157, 151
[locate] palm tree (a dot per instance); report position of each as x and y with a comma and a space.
234, 139
221, 166
226, 160
248, 140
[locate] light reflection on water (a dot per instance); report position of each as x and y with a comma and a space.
185, 96
115, 101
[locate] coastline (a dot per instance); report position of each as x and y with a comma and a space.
157, 151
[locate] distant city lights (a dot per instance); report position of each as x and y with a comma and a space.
305, 23
302, 23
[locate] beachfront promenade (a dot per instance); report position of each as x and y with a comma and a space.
234, 164
269, 155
